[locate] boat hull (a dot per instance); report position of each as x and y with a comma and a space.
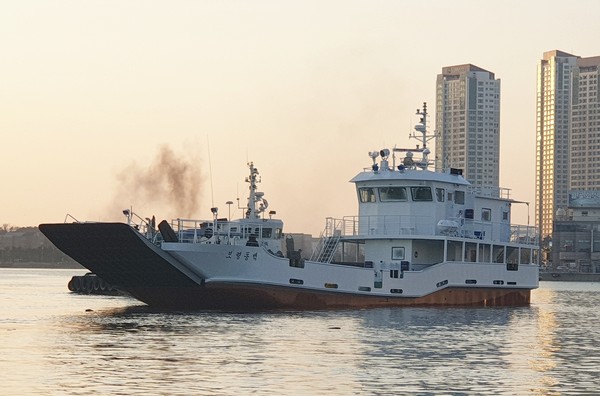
121, 256
124, 258
239, 296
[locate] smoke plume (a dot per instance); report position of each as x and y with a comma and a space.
170, 184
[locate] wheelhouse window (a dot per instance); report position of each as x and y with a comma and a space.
267, 232
459, 197
366, 194
392, 194
440, 194
421, 194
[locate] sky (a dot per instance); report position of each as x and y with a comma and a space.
102, 102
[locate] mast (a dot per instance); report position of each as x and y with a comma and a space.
424, 138
254, 196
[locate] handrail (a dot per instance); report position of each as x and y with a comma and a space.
402, 225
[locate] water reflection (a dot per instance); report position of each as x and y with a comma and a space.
53, 342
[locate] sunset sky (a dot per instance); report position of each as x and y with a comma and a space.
95, 94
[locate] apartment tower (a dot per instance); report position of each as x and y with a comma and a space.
552, 148
584, 139
468, 123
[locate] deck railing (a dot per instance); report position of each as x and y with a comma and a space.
403, 225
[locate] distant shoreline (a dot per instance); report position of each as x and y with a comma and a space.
40, 265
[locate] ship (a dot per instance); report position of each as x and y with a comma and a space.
421, 237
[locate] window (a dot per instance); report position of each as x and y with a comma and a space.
440, 194
394, 273
267, 232
421, 193
397, 253
366, 194
459, 197
392, 194
498, 254
486, 214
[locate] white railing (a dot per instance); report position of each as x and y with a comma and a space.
402, 225
527, 235
491, 191
195, 231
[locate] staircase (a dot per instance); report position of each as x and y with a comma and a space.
330, 239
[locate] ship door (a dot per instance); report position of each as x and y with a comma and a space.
378, 283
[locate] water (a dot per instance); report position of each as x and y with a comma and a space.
53, 342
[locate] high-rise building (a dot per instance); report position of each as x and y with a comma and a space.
584, 139
575, 240
552, 147
468, 123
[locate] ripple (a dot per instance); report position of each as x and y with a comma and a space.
50, 345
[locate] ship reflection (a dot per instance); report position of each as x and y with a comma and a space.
546, 348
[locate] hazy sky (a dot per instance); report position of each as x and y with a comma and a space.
94, 94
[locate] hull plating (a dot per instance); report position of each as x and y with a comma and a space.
234, 296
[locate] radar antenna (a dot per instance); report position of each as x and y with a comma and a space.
255, 196
422, 127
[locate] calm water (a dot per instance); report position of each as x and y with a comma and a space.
53, 342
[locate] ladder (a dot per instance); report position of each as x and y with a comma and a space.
326, 249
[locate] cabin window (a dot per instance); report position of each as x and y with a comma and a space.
392, 194
440, 194
366, 194
505, 215
484, 253
267, 232
397, 253
512, 255
459, 197
470, 252
277, 233
525, 256
498, 254
421, 193
486, 214
394, 273
454, 249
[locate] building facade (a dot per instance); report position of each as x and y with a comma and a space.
568, 133
552, 144
468, 123
576, 238
584, 139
